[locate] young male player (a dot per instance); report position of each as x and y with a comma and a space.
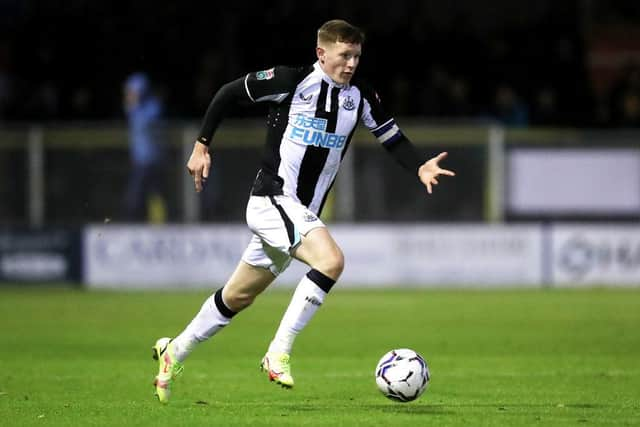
313, 112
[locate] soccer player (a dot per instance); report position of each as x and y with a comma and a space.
313, 112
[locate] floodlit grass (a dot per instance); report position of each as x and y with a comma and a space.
504, 358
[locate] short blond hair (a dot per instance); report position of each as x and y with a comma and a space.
338, 30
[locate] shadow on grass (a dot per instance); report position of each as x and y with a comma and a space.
443, 409
415, 408
530, 405
397, 408
410, 408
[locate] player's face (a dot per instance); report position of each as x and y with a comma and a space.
339, 60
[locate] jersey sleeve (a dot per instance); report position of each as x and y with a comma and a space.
274, 84
381, 124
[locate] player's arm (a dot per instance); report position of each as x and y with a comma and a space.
268, 85
385, 129
199, 163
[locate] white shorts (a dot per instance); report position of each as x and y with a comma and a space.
277, 222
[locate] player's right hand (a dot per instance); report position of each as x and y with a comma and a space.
199, 164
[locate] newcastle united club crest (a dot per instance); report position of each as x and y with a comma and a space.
348, 104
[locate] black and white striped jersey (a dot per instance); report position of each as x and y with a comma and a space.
310, 125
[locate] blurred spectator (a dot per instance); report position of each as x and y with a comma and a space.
630, 116
44, 101
434, 93
5, 93
465, 45
209, 77
458, 103
510, 110
545, 111
144, 112
81, 99
401, 94
624, 99
6, 79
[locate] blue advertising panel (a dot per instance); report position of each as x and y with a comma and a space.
37, 256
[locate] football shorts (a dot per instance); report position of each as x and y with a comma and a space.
277, 223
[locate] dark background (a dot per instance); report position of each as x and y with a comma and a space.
62, 60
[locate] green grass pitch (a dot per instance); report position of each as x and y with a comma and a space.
498, 357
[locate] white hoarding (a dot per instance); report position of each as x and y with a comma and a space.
592, 254
376, 255
425, 255
573, 181
161, 256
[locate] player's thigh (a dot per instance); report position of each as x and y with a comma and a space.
245, 283
319, 250
273, 222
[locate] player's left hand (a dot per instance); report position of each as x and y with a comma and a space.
430, 170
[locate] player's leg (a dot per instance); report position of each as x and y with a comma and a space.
322, 254
135, 197
320, 251
246, 282
287, 228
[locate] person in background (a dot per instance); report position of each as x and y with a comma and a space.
144, 111
625, 97
510, 110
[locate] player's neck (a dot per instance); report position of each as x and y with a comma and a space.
328, 78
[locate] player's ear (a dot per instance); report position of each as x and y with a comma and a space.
320, 52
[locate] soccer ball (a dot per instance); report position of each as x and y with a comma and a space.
402, 375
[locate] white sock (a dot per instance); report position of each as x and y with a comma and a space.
306, 300
209, 320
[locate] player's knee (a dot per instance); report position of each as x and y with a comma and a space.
333, 264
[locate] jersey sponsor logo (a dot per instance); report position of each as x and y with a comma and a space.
308, 122
265, 74
312, 131
348, 104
